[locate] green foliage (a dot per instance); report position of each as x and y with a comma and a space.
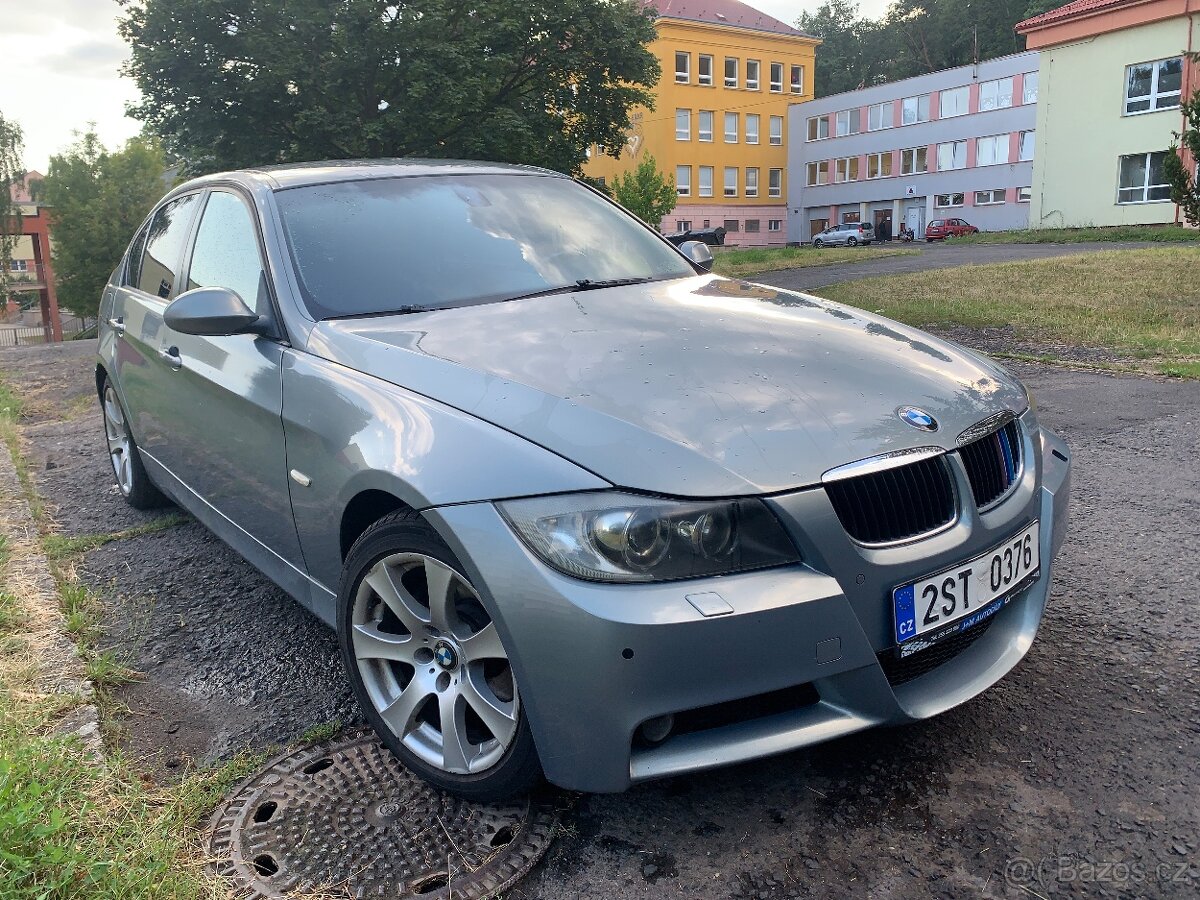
1185, 189
1159, 234
98, 199
11, 171
646, 192
246, 82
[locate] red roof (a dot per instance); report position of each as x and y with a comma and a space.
722, 12
1070, 11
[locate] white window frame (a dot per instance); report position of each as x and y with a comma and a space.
877, 113
997, 155
684, 75
752, 130
1024, 194
1021, 142
962, 102
815, 170
18, 265
1155, 95
818, 121
1001, 100
776, 84
751, 181
753, 84
949, 198
705, 135
1030, 96
775, 131
775, 225
683, 181
732, 83
729, 188
954, 155
683, 224
991, 195
1146, 185
914, 151
919, 106
701, 190
683, 124
796, 85
701, 78
845, 169
774, 182
848, 121
878, 159
731, 134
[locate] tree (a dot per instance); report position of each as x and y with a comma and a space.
1185, 187
646, 192
98, 199
849, 56
245, 82
11, 172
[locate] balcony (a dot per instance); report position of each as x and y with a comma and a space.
23, 276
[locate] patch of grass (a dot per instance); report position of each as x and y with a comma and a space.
58, 547
1181, 370
325, 731
1139, 303
755, 260
105, 670
11, 613
1157, 233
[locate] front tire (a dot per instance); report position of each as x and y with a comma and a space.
427, 665
132, 481
818, 244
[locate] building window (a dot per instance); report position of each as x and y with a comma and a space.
996, 94
776, 125
752, 120
946, 201
850, 218
818, 128
848, 122
704, 69
1024, 194
1153, 85
683, 124
914, 161
879, 165
731, 181
705, 126
775, 182
1030, 88
731, 72
683, 67
1142, 179
845, 169
776, 78
990, 198
914, 110
706, 181
730, 225
952, 155
879, 116
774, 224
991, 151
752, 71
797, 82
752, 182
818, 173
953, 103
19, 265
752, 226
683, 181
731, 128
1026, 148
707, 223
683, 225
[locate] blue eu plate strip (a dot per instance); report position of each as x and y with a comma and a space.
906, 617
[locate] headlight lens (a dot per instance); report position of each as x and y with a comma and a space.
622, 537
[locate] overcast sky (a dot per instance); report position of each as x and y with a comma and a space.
64, 58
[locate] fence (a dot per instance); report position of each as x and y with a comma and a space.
30, 335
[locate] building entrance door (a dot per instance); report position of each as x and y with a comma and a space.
913, 218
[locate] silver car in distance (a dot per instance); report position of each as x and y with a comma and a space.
574, 505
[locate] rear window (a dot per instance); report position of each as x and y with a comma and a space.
936, 223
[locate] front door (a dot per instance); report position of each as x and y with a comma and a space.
913, 219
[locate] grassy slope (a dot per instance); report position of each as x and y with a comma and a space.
756, 260
1163, 234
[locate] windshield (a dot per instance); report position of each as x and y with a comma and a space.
431, 242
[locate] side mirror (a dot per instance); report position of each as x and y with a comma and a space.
210, 311
698, 253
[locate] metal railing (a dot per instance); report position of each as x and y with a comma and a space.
32, 277
31, 335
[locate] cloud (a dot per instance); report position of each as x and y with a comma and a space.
40, 17
89, 59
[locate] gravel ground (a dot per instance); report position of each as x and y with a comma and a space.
1076, 775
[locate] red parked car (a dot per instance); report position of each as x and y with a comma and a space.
940, 229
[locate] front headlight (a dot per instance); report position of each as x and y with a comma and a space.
621, 537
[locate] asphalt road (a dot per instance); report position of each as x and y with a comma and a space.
1076, 775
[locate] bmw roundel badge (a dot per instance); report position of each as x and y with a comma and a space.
917, 418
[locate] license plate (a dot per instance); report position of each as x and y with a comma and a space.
953, 600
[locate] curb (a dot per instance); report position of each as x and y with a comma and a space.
60, 670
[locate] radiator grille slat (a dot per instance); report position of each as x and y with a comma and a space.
993, 463
896, 504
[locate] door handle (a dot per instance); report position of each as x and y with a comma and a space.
117, 325
171, 356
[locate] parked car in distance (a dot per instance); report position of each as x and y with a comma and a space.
714, 237
500, 435
940, 229
848, 234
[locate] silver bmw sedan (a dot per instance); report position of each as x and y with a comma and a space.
575, 506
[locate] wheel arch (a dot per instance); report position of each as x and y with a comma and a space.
362, 511
101, 377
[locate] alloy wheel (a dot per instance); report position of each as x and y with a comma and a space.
433, 664
118, 440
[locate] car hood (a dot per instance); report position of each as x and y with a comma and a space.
692, 387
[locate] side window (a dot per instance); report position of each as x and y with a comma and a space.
164, 247
133, 271
226, 252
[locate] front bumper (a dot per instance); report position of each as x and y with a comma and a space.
595, 661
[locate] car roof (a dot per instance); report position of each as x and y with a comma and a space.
291, 175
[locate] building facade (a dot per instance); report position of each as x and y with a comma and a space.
729, 74
27, 294
1112, 74
952, 144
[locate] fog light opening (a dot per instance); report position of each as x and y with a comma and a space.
658, 729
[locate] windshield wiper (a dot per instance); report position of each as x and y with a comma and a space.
587, 284
398, 311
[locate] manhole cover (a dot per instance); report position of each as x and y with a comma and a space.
347, 817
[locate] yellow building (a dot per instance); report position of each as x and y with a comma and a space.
729, 73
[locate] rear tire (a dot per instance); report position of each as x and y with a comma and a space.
851, 242
132, 480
